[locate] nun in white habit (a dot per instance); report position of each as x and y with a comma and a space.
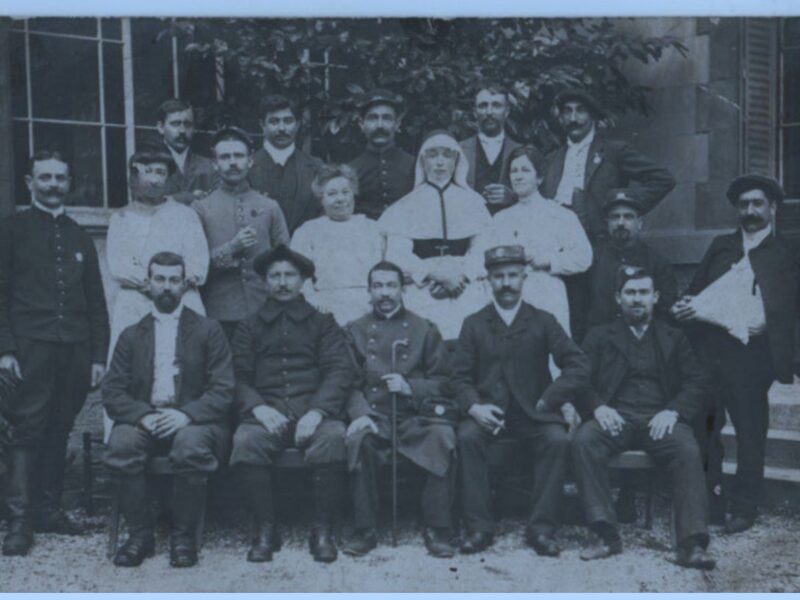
430, 231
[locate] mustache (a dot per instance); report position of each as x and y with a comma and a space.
506, 290
380, 131
752, 219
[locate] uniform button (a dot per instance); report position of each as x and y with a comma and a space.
372, 356
405, 324
285, 360
285, 373
374, 389
371, 340
374, 405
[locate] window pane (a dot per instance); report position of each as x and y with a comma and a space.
791, 161
113, 87
116, 166
81, 146
791, 32
17, 23
147, 137
112, 29
64, 78
73, 25
152, 72
19, 92
21, 154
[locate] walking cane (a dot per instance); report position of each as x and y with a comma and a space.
395, 344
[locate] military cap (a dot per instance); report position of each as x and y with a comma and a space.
624, 196
504, 255
754, 181
582, 96
380, 96
263, 261
232, 132
627, 272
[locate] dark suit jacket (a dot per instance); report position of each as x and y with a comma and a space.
610, 164
494, 363
304, 206
683, 380
777, 271
204, 385
198, 174
470, 148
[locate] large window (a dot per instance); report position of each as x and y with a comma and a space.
790, 107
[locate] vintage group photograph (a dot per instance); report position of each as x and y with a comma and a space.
399, 304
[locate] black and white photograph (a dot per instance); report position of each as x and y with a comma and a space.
399, 304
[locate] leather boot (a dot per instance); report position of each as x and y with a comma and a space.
19, 539
135, 507
188, 500
256, 486
48, 516
328, 482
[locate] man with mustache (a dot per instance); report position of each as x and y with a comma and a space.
194, 174
240, 223
169, 390
53, 341
425, 434
743, 308
647, 386
293, 378
501, 377
385, 171
489, 150
281, 170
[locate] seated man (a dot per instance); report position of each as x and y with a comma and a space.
169, 389
501, 375
417, 375
293, 378
646, 386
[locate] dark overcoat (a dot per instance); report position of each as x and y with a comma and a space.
470, 148
198, 175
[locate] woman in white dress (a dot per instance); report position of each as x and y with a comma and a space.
552, 236
342, 245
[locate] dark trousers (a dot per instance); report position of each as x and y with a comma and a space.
55, 382
592, 448
579, 300
549, 446
437, 492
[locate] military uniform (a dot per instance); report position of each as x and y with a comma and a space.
383, 178
425, 435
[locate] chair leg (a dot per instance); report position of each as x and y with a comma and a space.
648, 507
113, 532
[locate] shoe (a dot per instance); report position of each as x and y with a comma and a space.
266, 541
59, 522
437, 542
476, 541
322, 546
625, 507
695, 557
134, 551
362, 542
19, 539
544, 545
183, 553
601, 549
737, 524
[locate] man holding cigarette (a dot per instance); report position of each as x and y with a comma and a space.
502, 379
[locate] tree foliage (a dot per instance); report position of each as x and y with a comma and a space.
328, 64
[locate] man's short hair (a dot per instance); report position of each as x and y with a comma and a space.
328, 172
170, 106
274, 102
43, 155
495, 87
628, 273
167, 259
537, 158
150, 155
385, 265
232, 133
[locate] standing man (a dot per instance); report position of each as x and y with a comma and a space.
489, 150
744, 298
385, 172
239, 224
425, 436
647, 385
501, 376
293, 378
54, 339
169, 390
194, 176
281, 170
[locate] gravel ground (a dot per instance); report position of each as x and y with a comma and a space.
764, 559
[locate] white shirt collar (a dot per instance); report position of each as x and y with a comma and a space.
492, 141
56, 212
167, 318
179, 158
638, 335
279, 155
507, 314
752, 240
584, 143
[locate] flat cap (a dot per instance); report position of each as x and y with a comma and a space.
754, 181
624, 196
232, 132
579, 95
504, 255
263, 261
627, 272
380, 96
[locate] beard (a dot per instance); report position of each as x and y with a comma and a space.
166, 302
